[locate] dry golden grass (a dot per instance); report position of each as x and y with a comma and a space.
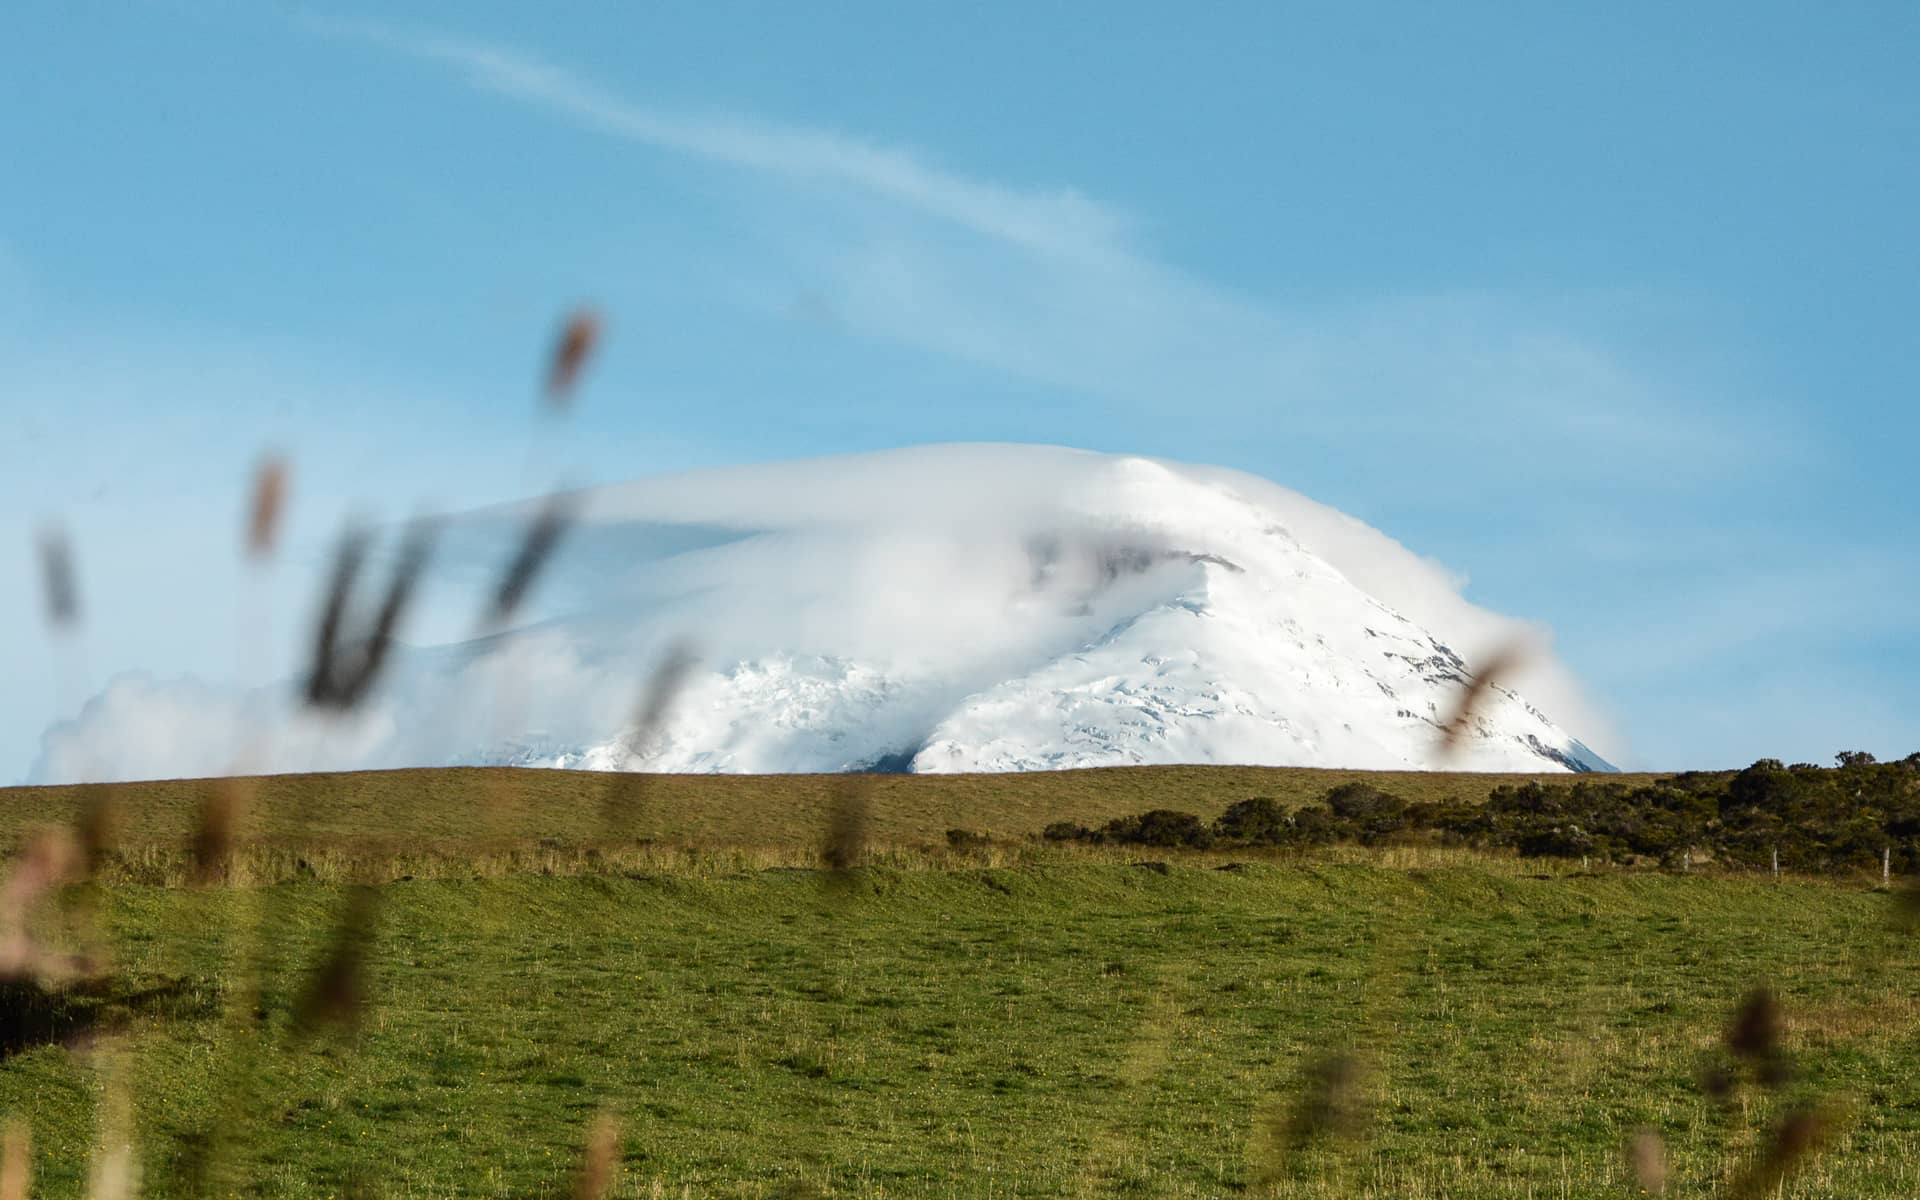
437, 805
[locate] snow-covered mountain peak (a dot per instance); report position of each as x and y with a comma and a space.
944, 608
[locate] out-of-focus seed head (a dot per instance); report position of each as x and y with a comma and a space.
1717, 1081
623, 789
1775, 1071
1796, 1141
1328, 1101
1647, 1161
1755, 1031
343, 670
1331, 1101
335, 996
16, 1162
657, 699
96, 826
114, 1173
599, 1161
549, 525
263, 514
1504, 662
48, 860
1906, 906
57, 579
846, 841
579, 335
220, 815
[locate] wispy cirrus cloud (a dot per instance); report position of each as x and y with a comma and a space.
1045, 285
1057, 221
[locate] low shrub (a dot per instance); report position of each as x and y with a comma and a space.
967, 839
1814, 818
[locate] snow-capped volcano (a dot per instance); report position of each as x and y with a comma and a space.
948, 608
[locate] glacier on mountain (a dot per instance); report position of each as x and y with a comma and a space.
944, 608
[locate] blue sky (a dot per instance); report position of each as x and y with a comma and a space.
1608, 311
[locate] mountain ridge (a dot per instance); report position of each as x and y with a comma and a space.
947, 608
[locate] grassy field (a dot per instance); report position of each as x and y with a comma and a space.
1014, 1021
458, 805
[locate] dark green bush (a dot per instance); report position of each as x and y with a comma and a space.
1162, 827
1368, 814
1315, 825
1815, 818
1363, 802
1255, 822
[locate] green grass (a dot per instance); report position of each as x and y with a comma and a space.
1019, 1022
1052, 1030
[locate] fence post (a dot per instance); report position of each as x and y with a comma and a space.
1686, 861
1886, 866
1776, 862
